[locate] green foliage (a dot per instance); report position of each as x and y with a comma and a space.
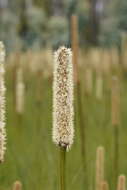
31, 155
8, 29
58, 31
26, 24
114, 23
37, 24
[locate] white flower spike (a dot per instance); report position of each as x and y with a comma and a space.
63, 113
2, 104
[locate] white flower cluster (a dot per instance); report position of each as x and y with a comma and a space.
63, 112
2, 104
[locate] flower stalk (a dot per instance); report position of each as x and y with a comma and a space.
63, 131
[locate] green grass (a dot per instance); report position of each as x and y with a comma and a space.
32, 157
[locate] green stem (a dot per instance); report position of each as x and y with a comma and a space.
62, 168
81, 120
82, 125
116, 151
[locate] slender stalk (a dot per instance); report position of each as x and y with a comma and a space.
99, 86
122, 52
74, 44
15, 67
82, 119
39, 87
62, 165
116, 123
88, 81
75, 50
116, 151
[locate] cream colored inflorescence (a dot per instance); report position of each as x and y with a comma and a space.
2, 104
63, 112
99, 167
17, 185
121, 182
20, 88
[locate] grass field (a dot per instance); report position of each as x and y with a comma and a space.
31, 156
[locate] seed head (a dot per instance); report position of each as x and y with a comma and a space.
2, 104
20, 88
115, 101
63, 131
99, 167
17, 185
104, 185
121, 182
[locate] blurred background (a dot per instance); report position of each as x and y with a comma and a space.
40, 23
31, 30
